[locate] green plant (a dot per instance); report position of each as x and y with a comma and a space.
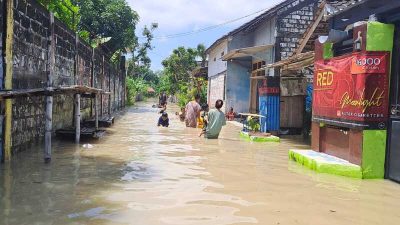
135, 87
253, 123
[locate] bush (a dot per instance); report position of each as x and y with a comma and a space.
135, 88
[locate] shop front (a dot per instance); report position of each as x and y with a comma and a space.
386, 116
351, 97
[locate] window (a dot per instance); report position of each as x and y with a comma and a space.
258, 69
222, 54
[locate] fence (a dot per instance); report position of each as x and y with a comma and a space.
40, 52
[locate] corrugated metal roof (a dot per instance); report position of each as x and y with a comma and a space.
338, 6
264, 16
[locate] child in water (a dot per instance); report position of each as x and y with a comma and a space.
181, 114
204, 116
163, 120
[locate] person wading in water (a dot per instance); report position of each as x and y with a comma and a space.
193, 112
216, 120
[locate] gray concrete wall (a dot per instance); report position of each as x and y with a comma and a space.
32, 34
238, 86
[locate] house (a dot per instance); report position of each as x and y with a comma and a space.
237, 65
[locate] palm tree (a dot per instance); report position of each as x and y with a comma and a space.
201, 52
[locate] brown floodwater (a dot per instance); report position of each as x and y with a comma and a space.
141, 174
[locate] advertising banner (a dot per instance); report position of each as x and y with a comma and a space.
353, 89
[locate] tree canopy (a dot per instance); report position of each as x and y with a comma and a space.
112, 19
65, 10
177, 74
110, 23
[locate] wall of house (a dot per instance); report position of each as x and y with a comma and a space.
241, 40
31, 65
216, 88
291, 26
238, 86
215, 63
265, 33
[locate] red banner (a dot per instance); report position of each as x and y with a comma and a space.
352, 88
269, 86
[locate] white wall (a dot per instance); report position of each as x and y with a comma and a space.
218, 66
216, 87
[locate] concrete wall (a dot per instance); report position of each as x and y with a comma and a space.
217, 66
241, 40
265, 33
31, 65
216, 88
238, 86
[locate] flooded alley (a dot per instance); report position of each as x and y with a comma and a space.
142, 174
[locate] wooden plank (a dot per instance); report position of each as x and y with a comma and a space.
292, 59
291, 110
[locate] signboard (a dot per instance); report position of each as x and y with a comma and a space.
269, 86
353, 89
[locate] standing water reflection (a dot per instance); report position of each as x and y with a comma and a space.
144, 174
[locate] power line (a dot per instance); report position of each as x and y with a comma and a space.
205, 28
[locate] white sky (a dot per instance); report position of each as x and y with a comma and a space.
177, 16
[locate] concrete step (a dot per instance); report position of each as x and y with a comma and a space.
324, 163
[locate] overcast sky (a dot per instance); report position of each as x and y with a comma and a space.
177, 16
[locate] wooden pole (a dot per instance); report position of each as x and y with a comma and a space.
109, 90
77, 118
8, 78
92, 81
96, 113
76, 72
102, 86
49, 98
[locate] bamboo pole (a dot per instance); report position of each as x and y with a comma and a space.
77, 118
8, 77
49, 98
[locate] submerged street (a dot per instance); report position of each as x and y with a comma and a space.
142, 174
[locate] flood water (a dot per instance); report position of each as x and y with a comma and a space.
141, 174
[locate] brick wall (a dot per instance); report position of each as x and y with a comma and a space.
73, 65
291, 26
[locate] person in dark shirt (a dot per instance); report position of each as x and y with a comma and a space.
163, 120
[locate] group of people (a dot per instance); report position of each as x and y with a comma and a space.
212, 119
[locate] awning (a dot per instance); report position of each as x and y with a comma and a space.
246, 52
